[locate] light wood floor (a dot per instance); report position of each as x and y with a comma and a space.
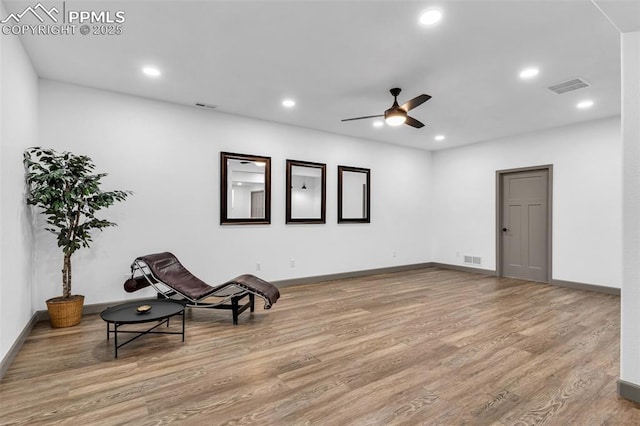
429, 346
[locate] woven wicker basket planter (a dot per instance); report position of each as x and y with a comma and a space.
65, 312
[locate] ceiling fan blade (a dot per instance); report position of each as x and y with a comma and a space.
415, 102
361, 118
413, 122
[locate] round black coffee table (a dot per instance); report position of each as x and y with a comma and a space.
161, 311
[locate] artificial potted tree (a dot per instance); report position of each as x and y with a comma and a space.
68, 191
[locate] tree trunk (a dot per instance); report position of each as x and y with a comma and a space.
66, 276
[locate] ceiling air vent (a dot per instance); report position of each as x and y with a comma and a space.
201, 105
568, 86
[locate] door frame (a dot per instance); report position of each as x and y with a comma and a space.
499, 215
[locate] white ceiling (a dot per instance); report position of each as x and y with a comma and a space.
338, 59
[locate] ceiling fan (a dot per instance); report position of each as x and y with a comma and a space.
397, 114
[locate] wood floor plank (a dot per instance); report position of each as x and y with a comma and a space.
427, 346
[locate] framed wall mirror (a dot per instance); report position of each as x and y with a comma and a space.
245, 189
306, 192
354, 195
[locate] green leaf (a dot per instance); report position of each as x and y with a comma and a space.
68, 193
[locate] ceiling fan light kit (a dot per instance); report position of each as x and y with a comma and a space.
397, 114
395, 117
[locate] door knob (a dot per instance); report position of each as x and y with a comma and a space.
504, 229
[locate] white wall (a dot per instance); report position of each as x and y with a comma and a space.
630, 332
306, 203
587, 198
18, 130
239, 203
3, 351
353, 194
169, 156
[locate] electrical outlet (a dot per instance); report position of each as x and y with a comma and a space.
394, 254
258, 266
292, 263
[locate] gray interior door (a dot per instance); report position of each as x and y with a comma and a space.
257, 204
525, 225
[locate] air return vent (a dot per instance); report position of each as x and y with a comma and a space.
202, 105
568, 86
472, 260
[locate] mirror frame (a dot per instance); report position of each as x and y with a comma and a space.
323, 201
224, 218
367, 172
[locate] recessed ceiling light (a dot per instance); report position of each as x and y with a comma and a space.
585, 104
439, 137
528, 73
151, 71
430, 17
378, 123
288, 103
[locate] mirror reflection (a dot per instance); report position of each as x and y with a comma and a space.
306, 193
245, 189
353, 194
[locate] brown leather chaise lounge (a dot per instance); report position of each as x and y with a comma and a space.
165, 273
